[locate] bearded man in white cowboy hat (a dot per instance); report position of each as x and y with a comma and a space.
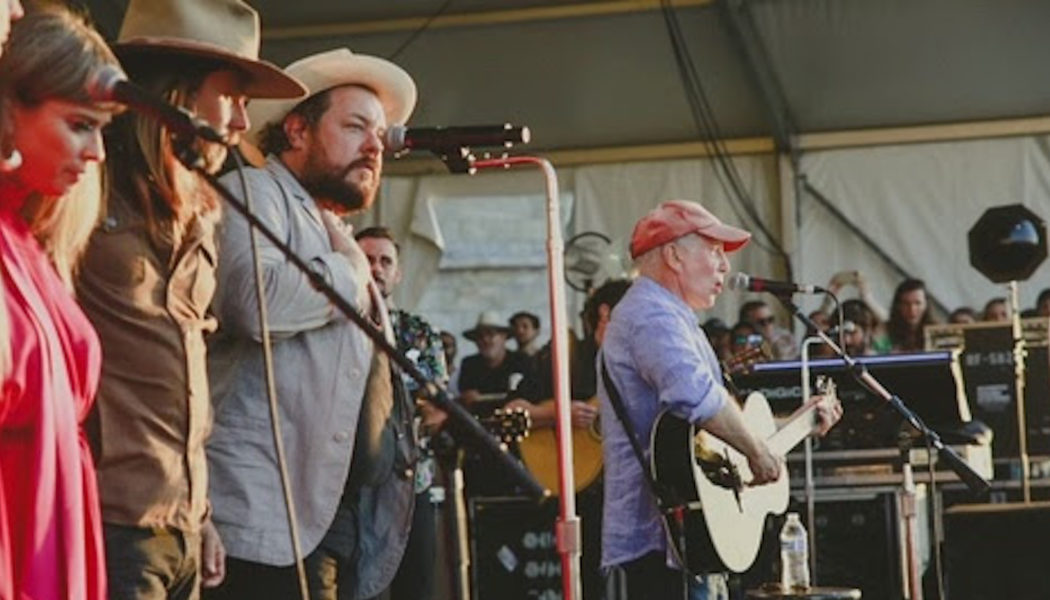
146, 283
345, 418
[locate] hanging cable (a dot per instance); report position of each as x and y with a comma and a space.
711, 135
415, 34
271, 388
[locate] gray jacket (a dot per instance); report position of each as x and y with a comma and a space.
321, 363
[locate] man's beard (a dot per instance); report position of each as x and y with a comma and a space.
331, 185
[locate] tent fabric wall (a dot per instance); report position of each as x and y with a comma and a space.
606, 198
918, 202
408, 205
404, 207
498, 212
611, 198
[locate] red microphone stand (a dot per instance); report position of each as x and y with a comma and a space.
567, 529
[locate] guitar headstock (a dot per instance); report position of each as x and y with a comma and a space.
509, 424
825, 386
827, 399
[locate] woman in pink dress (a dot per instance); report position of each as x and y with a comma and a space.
51, 144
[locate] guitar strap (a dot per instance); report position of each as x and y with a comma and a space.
663, 502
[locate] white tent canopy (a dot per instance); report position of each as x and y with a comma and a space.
909, 117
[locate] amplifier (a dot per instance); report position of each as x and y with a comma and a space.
514, 550
882, 466
987, 364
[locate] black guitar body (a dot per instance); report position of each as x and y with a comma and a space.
673, 469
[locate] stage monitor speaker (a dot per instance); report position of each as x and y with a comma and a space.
997, 551
513, 548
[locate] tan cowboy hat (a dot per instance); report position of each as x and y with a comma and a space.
225, 30
320, 72
489, 319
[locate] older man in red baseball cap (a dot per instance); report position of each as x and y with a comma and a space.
657, 358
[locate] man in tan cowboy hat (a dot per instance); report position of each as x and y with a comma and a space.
494, 369
146, 283
484, 380
343, 412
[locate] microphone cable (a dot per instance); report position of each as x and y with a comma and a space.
419, 31
705, 121
938, 533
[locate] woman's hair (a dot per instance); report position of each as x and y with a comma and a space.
608, 294
52, 53
991, 304
63, 225
860, 314
900, 333
1043, 297
143, 169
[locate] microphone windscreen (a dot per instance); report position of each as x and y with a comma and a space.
394, 139
738, 281
102, 87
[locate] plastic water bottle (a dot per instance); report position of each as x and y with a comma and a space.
794, 554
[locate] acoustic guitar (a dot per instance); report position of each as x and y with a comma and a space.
539, 452
723, 517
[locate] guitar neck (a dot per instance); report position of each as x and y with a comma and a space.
798, 427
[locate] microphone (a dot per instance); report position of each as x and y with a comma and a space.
399, 137
743, 282
111, 85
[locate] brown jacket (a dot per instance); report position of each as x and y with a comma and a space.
149, 304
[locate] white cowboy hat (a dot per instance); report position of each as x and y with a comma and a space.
224, 30
489, 319
324, 71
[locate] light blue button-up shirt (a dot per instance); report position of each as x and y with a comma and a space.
658, 357
321, 363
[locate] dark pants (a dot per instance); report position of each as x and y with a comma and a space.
152, 564
415, 576
650, 577
589, 509
246, 579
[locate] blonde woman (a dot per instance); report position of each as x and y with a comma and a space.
50, 529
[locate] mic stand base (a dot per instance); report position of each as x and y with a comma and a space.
911, 577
